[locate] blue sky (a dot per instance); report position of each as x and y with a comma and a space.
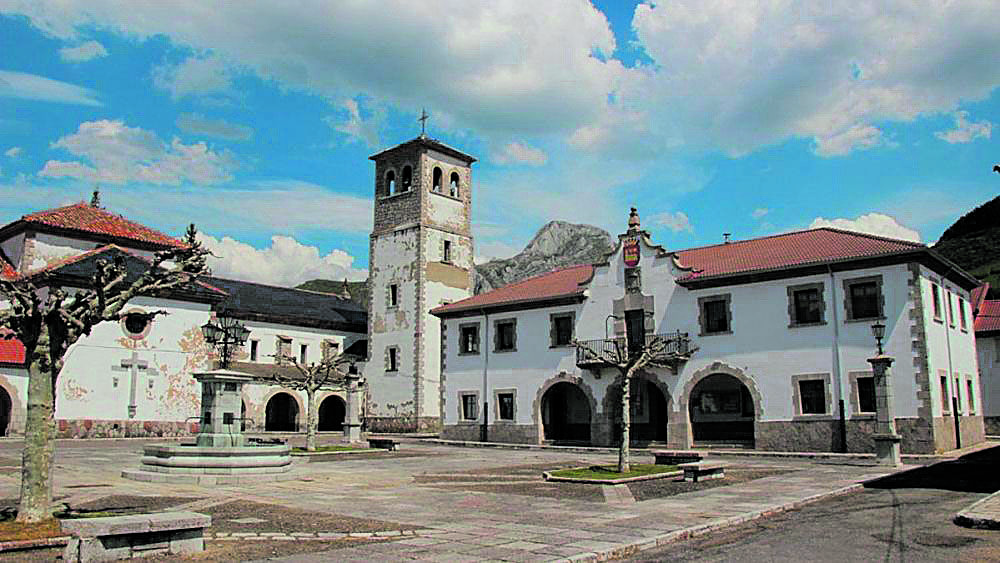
255, 121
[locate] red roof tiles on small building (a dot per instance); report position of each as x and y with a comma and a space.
555, 284
89, 219
988, 319
978, 296
12, 351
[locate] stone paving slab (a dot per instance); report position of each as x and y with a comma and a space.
983, 514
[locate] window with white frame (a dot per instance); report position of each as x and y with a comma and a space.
936, 300
505, 405
468, 336
391, 359
254, 347
469, 406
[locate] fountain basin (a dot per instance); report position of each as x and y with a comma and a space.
172, 463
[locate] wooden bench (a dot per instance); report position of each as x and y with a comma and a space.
124, 537
703, 470
676, 457
383, 444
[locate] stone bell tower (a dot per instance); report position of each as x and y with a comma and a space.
420, 257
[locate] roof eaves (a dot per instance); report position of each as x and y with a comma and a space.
449, 310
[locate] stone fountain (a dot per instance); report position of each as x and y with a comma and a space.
220, 454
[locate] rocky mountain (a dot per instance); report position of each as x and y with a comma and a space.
973, 242
556, 245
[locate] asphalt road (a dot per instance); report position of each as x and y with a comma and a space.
905, 517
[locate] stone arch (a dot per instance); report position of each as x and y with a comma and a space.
296, 402
454, 184
16, 414
390, 182
562, 377
437, 180
406, 179
323, 413
716, 368
610, 404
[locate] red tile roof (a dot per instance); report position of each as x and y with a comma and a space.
988, 319
978, 296
557, 283
11, 349
7, 271
87, 218
787, 250
800, 248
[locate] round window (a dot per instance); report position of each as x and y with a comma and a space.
136, 324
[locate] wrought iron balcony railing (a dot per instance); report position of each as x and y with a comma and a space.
597, 353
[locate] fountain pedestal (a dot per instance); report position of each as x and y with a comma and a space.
220, 455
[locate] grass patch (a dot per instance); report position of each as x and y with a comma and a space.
15, 531
322, 449
610, 472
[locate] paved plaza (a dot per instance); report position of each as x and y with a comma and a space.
452, 521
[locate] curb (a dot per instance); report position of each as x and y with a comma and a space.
547, 475
312, 536
661, 540
969, 518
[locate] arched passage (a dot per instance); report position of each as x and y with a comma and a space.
5, 412
722, 411
281, 414
331, 414
648, 415
565, 414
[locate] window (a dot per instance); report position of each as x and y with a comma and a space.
972, 398
505, 405
715, 316
561, 329
469, 339
812, 396
866, 394
436, 181
958, 396
390, 182
393, 295
961, 314
303, 353
391, 359
805, 304
446, 253
951, 311
331, 350
505, 335
470, 406
864, 298
254, 346
407, 179
936, 300
284, 348
454, 184
945, 399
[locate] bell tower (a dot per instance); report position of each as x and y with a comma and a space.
420, 257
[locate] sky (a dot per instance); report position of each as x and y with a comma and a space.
255, 120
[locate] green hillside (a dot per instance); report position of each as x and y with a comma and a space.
973, 242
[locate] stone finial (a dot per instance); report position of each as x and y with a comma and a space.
95, 199
633, 220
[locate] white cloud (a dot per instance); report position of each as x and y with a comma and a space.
117, 154
760, 212
83, 52
965, 130
33, 87
287, 262
195, 76
197, 124
871, 223
841, 143
355, 126
676, 222
13, 152
518, 153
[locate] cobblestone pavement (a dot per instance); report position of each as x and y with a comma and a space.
460, 525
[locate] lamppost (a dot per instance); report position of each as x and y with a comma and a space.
226, 337
886, 439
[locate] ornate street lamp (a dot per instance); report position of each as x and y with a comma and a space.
878, 330
226, 336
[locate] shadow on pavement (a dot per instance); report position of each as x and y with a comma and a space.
977, 472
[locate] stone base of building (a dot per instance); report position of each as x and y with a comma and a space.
992, 425
504, 432
88, 428
402, 424
970, 428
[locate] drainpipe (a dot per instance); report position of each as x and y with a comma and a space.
484, 431
836, 361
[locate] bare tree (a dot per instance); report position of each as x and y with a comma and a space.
314, 376
627, 360
48, 320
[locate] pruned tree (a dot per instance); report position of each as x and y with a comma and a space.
627, 359
48, 320
332, 370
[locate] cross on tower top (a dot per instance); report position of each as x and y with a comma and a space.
423, 122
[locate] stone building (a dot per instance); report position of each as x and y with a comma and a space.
770, 338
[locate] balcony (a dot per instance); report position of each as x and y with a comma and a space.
598, 353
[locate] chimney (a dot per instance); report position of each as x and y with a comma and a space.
725, 238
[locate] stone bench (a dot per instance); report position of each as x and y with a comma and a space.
703, 470
267, 441
383, 443
124, 537
675, 457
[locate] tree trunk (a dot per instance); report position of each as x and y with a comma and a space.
624, 454
39, 441
310, 420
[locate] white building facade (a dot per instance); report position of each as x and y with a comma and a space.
772, 338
